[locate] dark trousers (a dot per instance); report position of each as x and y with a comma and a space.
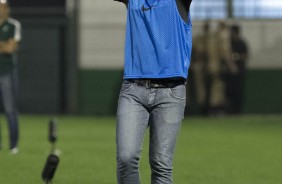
8, 94
235, 93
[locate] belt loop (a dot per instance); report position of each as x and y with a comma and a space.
148, 84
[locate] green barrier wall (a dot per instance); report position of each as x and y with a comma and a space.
99, 90
263, 92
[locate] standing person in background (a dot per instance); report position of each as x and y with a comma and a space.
219, 64
10, 36
199, 67
153, 94
236, 81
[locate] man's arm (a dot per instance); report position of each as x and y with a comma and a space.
9, 46
184, 8
187, 4
123, 1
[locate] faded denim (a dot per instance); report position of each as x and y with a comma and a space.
160, 109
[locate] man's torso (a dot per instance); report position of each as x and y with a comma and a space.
7, 31
158, 40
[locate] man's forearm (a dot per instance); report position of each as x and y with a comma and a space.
8, 47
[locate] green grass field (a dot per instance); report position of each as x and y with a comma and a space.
230, 150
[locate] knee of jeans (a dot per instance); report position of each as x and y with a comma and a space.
127, 159
9, 107
10, 110
161, 163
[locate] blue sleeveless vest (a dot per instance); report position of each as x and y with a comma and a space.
158, 42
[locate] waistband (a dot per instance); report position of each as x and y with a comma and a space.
158, 83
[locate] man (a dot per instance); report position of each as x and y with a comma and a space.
200, 60
235, 81
10, 35
219, 63
157, 57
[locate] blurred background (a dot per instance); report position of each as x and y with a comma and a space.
71, 55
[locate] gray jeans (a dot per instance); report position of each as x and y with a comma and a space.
161, 109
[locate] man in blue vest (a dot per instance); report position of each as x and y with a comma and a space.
10, 35
157, 57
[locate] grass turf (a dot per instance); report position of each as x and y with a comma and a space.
230, 150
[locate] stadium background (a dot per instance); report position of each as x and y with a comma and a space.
71, 56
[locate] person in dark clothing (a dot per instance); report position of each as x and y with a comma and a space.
236, 81
10, 36
199, 68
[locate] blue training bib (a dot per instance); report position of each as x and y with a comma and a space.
158, 42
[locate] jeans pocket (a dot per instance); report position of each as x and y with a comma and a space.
126, 86
178, 92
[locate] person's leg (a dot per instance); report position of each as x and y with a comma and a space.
9, 104
165, 122
200, 87
132, 122
217, 96
237, 94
